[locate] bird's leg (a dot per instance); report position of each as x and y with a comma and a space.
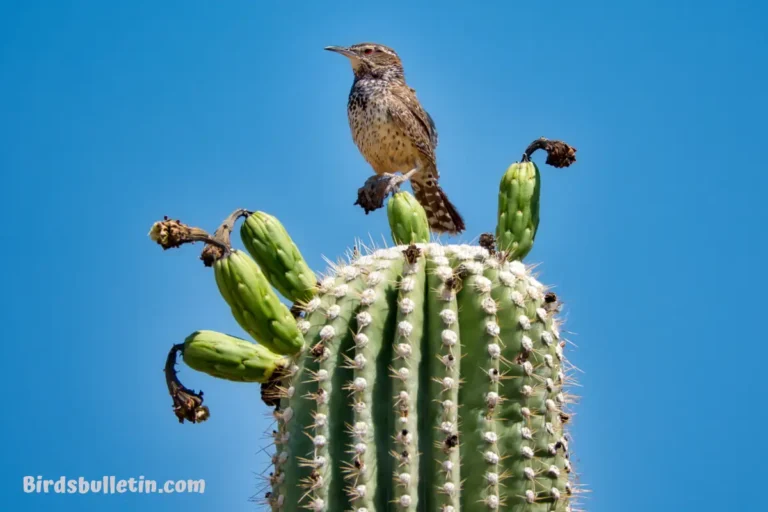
372, 194
405, 177
394, 181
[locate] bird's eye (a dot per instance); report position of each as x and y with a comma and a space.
368, 51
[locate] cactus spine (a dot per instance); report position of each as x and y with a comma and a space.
420, 377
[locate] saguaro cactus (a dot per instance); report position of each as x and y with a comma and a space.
423, 377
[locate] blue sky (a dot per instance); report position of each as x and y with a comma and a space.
117, 113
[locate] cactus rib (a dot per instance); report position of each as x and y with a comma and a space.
369, 339
480, 369
330, 406
442, 453
531, 386
282, 439
404, 373
295, 459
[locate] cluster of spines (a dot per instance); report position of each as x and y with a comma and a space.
404, 372
443, 284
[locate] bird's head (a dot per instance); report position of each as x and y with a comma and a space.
369, 57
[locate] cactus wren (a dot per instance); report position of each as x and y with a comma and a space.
394, 132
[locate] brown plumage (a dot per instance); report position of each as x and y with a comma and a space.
393, 131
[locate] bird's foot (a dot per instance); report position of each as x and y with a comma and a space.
372, 194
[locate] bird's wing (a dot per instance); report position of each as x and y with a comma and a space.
404, 111
422, 115
433, 130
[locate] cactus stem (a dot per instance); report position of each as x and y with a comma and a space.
170, 234
559, 154
187, 405
212, 251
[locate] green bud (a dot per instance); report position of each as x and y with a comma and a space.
254, 304
227, 357
518, 209
269, 244
407, 220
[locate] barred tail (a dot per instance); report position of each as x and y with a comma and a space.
443, 217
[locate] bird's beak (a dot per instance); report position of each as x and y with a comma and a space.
344, 51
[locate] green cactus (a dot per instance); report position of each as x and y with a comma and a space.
427, 377
350, 422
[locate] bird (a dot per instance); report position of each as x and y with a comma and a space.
394, 132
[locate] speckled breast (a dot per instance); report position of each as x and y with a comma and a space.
379, 139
